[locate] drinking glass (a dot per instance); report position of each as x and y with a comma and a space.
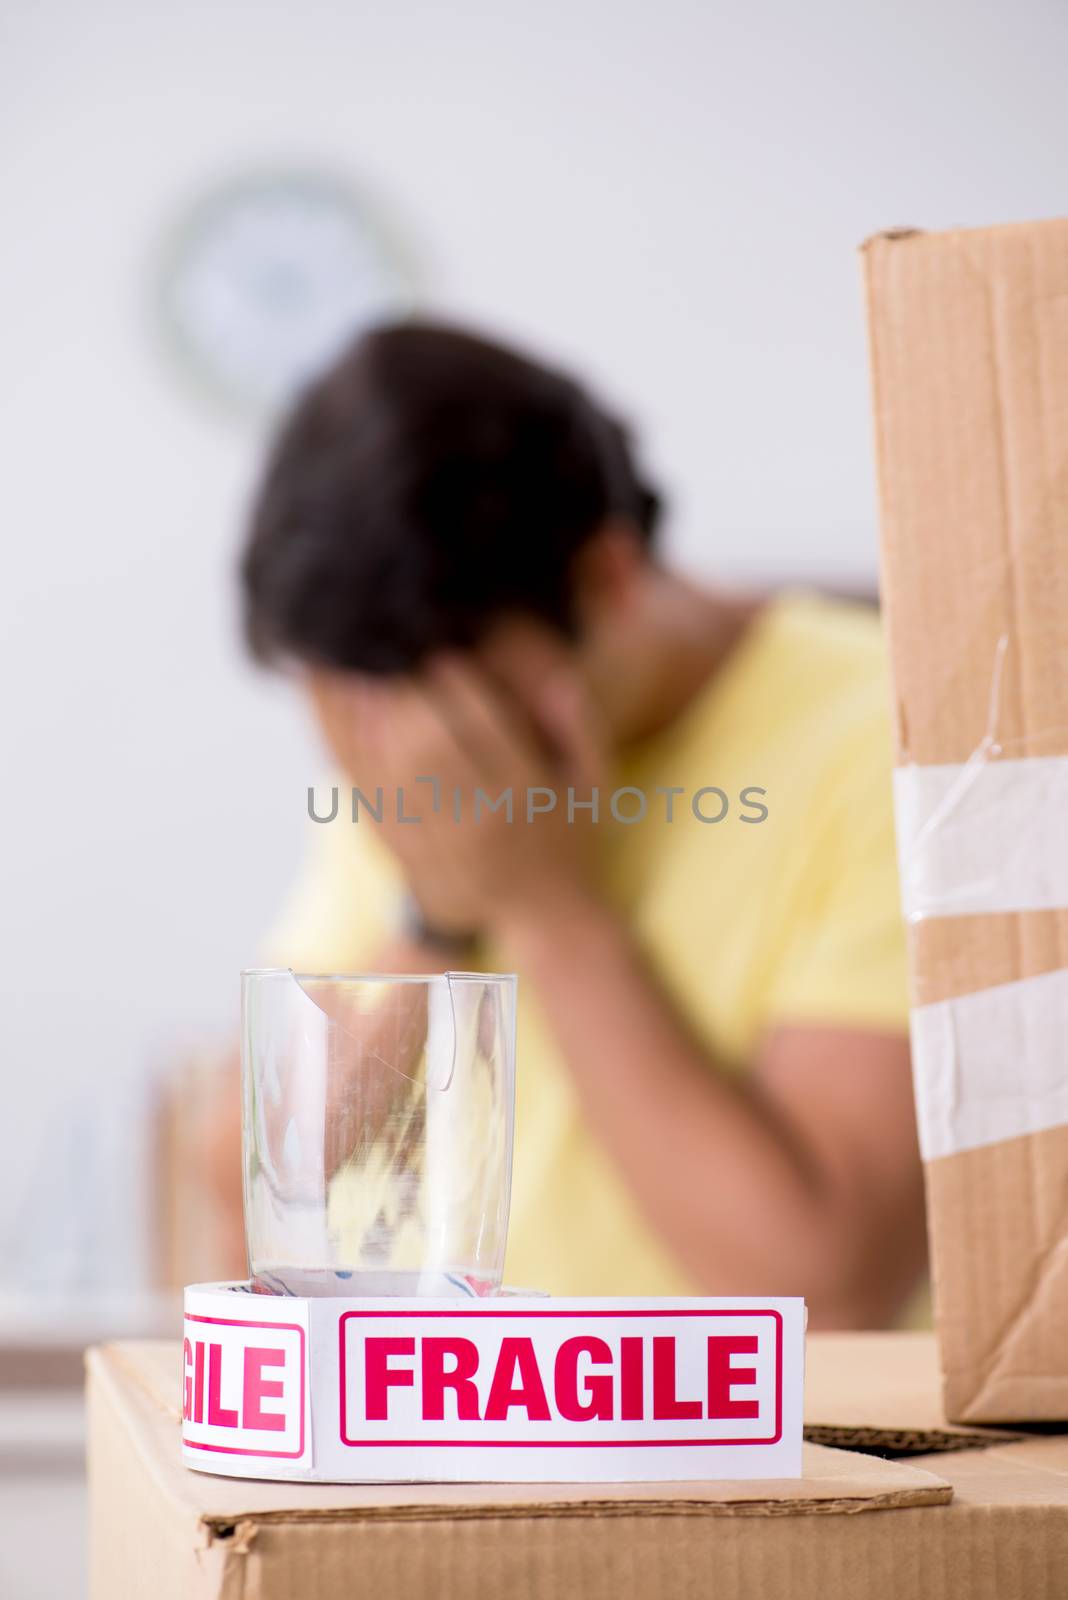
378, 1115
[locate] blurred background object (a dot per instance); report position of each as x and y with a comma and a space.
193, 1238
269, 275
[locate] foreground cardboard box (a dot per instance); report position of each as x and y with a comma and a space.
969, 339
967, 1522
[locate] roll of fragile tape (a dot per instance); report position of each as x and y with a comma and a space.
498, 1389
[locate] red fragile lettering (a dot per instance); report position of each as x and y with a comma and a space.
517, 1382
666, 1403
381, 1377
219, 1416
598, 1401
585, 1378
198, 1383
458, 1376
187, 1381
256, 1388
631, 1379
722, 1375
200, 1357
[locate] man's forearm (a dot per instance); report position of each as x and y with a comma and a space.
726, 1183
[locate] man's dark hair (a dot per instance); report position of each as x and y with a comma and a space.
428, 484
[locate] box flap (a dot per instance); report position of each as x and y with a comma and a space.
969, 336
1033, 1472
882, 1391
143, 1377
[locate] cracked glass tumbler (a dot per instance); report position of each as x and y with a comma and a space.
377, 1127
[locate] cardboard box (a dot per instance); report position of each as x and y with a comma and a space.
973, 1523
969, 342
882, 1392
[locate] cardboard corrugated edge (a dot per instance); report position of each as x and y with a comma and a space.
969, 349
882, 1392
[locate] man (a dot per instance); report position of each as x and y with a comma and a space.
455, 551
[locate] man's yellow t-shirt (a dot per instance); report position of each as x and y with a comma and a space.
746, 925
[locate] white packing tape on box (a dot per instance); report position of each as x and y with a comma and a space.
992, 1065
986, 835
496, 1390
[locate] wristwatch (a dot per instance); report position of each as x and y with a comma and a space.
454, 944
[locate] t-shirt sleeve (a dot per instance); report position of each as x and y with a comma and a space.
342, 908
845, 961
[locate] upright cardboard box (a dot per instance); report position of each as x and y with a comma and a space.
969, 341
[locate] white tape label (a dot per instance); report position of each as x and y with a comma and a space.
552, 1378
991, 1065
244, 1384
499, 1390
984, 836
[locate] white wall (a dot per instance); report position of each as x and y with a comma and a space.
669, 195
